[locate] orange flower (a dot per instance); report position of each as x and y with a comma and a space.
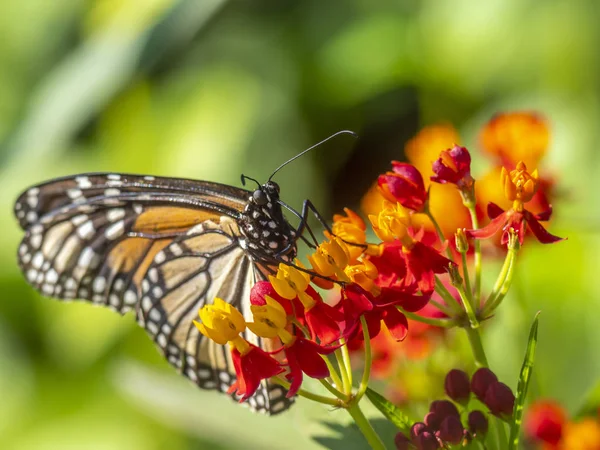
584, 435
425, 147
517, 136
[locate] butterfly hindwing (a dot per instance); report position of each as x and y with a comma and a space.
191, 271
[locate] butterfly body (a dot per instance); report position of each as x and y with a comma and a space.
162, 247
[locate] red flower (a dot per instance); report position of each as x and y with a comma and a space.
454, 166
545, 421
423, 262
324, 321
519, 221
304, 356
404, 185
250, 368
265, 288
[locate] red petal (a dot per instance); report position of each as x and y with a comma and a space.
263, 288
490, 229
493, 210
544, 216
539, 231
396, 323
308, 355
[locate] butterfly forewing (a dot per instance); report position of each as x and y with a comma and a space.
161, 246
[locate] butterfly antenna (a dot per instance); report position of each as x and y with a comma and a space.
244, 178
310, 148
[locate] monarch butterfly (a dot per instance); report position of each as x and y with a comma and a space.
161, 247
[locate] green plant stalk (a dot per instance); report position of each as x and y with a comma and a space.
309, 395
333, 390
333, 374
365, 427
501, 432
443, 308
466, 300
439, 232
346, 386
364, 382
346, 358
470, 204
476, 346
468, 281
502, 284
447, 296
443, 323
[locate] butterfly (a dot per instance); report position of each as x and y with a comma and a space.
161, 247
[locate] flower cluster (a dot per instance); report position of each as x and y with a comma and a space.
419, 263
442, 426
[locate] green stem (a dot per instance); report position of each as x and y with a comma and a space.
309, 395
467, 280
467, 305
447, 296
503, 282
443, 308
476, 346
477, 259
347, 362
365, 427
333, 374
364, 382
333, 390
439, 232
501, 432
346, 386
443, 323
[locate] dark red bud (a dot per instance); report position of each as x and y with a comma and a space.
478, 423
402, 442
481, 380
500, 399
426, 441
451, 430
433, 421
417, 429
457, 386
443, 409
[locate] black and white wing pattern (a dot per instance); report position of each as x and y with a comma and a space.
162, 247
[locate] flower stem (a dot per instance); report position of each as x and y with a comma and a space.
467, 305
443, 323
364, 382
333, 374
439, 232
504, 279
476, 346
477, 259
346, 358
309, 395
365, 427
447, 296
346, 385
333, 390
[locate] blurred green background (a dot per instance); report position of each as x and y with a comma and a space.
209, 89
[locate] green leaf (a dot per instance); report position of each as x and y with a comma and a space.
524, 378
389, 410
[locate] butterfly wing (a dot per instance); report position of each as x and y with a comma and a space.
161, 246
195, 268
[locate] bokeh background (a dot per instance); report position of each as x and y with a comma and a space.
210, 89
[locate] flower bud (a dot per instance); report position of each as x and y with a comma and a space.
500, 399
433, 421
481, 380
460, 238
478, 423
451, 430
457, 386
443, 409
417, 429
404, 185
426, 441
402, 442
454, 166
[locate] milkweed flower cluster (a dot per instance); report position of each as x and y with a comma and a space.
354, 288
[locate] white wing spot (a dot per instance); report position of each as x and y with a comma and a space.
111, 192
74, 193
36, 240
83, 182
157, 292
99, 285
149, 178
160, 257
31, 275
38, 260
113, 176
78, 220
153, 275
115, 214
137, 208
272, 224
115, 230
161, 340
130, 298
176, 249
154, 314
86, 231
118, 285
32, 216
146, 303
51, 276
